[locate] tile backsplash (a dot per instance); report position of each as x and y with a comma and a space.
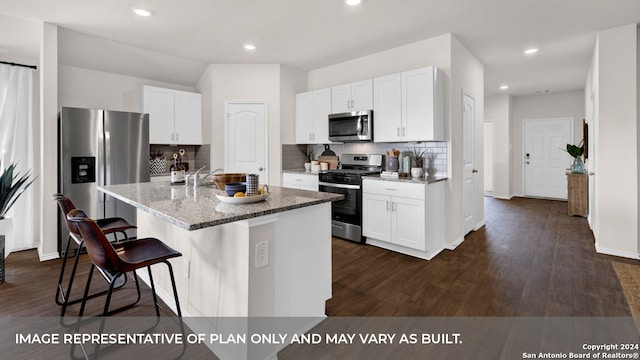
196, 156
294, 156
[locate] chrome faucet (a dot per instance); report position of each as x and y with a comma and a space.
197, 180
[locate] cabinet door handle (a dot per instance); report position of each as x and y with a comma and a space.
404, 131
394, 206
398, 131
387, 206
177, 136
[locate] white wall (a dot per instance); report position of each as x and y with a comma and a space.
292, 81
256, 82
20, 40
498, 108
434, 51
552, 105
614, 79
93, 89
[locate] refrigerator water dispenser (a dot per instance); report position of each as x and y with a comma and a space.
83, 170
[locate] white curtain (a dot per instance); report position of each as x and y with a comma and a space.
16, 146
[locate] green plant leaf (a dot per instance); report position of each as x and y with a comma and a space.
11, 187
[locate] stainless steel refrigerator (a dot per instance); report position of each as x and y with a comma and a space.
100, 147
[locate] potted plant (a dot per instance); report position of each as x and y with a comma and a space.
576, 151
431, 163
416, 155
307, 164
12, 185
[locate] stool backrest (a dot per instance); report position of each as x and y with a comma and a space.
66, 206
100, 251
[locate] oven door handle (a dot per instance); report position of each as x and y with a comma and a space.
340, 186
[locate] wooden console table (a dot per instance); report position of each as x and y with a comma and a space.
578, 194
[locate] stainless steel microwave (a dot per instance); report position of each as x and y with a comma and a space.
351, 126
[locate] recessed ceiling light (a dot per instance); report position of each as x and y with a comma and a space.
531, 51
352, 2
141, 12
504, 87
249, 47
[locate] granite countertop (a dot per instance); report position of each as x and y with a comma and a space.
192, 210
421, 180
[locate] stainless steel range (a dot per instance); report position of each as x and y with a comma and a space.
346, 215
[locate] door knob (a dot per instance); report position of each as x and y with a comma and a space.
260, 168
474, 171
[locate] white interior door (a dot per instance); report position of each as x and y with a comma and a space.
246, 138
545, 162
469, 162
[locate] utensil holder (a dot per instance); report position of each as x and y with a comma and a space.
393, 164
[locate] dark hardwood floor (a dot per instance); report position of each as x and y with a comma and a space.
530, 259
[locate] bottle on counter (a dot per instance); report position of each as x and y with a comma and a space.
177, 172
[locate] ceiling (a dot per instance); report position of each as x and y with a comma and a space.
182, 37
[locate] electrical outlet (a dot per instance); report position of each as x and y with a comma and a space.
262, 254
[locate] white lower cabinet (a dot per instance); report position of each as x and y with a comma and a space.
300, 181
404, 217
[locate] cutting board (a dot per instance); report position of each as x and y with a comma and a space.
331, 160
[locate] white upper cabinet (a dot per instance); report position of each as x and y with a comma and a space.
352, 97
312, 116
175, 117
409, 106
188, 118
387, 108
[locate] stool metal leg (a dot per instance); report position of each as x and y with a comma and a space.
64, 298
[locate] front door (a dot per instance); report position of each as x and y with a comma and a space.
468, 162
246, 138
545, 162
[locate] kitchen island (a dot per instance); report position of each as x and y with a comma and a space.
265, 259
270, 258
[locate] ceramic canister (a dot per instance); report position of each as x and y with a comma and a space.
252, 184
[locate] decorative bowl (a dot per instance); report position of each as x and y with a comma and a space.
233, 188
222, 179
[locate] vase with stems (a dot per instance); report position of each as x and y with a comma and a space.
576, 151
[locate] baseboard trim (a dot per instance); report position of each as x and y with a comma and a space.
47, 257
455, 244
624, 254
503, 197
479, 225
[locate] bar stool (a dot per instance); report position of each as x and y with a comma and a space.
129, 257
112, 225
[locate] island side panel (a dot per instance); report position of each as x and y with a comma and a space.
211, 276
303, 261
